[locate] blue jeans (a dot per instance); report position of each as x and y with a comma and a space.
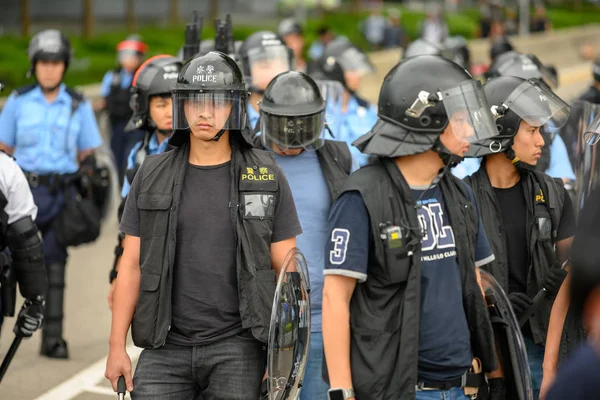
314, 387
451, 394
231, 369
535, 354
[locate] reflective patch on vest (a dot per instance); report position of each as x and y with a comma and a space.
257, 174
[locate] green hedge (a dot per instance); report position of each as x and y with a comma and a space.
94, 57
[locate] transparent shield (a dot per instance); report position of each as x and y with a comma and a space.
289, 333
538, 105
220, 110
592, 132
266, 63
509, 340
105, 183
468, 112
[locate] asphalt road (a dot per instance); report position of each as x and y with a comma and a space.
87, 322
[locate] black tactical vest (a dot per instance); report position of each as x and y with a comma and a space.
3, 221
385, 309
118, 99
253, 179
544, 197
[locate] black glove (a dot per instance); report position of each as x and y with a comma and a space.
497, 389
520, 302
31, 317
554, 280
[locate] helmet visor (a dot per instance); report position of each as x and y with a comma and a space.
266, 63
535, 103
283, 133
221, 110
469, 114
529, 68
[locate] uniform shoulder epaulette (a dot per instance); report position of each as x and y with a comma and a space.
25, 89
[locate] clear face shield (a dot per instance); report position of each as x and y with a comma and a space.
281, 133
220, 110
266, 63
535, 103
591, 135
469, 114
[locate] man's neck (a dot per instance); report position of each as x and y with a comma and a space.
501, 171
50, 96
210, 152
420, 169
254, 99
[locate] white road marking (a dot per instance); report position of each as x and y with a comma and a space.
86, 381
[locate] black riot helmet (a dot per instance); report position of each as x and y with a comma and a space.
289, 26
523, 66
263, 55
422, 47
49, 45
420, 97
511, 101
458, 51
155, 77
207, 85
500, 45
292, 113
350, 57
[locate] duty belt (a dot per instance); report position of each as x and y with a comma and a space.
50, 180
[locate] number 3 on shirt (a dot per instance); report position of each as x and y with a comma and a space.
340, 238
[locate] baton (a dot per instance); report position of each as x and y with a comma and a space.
10, 355
121, 388
536, 302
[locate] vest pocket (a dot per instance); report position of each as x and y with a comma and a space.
544, 228
143, 326
154, 214
258, 205
376, 353
398, 264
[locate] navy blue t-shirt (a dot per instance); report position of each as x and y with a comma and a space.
444, 338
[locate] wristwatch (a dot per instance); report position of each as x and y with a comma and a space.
340, 394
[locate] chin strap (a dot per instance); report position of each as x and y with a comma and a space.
166, 132
219, 134
516, 161
450, 160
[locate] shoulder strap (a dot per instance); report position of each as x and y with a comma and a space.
25, 89
76, 99
340, 153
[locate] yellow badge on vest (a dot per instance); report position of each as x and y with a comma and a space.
258, 174
539, 197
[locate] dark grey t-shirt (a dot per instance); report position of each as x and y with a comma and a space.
205, 303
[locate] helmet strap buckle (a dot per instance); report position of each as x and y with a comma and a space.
499, 111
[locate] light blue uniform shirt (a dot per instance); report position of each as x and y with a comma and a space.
126, 79
153, 148
252, 117
48, 136
349, 126
313, 201
560, 166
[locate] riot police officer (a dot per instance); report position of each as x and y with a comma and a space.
403, 314
292, 119
526, 213
152, 114
593, 93
48, 127
352, 116
263, 55
115, 90
197, 276
19, 234
292, 34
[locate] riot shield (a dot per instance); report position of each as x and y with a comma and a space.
105, 184
577, 134
509, 341
289, 333
332, 92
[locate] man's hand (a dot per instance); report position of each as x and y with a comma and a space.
520, 302
554, 280
30, 318
118, 364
